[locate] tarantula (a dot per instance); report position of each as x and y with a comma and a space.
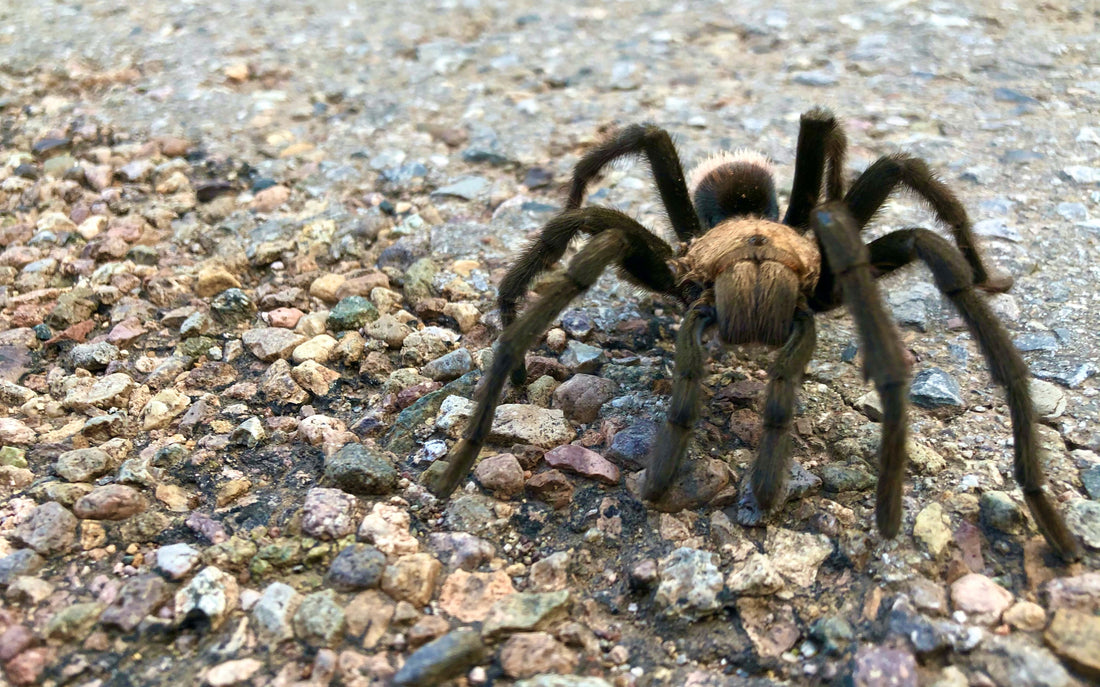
756, 279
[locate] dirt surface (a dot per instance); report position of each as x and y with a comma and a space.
248, 266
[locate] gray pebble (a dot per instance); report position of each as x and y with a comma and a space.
1083, 518
404, 173
460, 550
1090, 477
623, 76
272, 613
579, 357
817, 77
249, 433
442, 659
362, 470
1008, 95
842, 478
467, 188
1074, 212
319, 619
1000, 512
576, 324
1070, 373
1082, 174
351, 313
356, 567
1037, 341
690, 583
485, 147
93, 356
19, 563
82, 464
449, 366
472, 513
832, 632
630, 447
997, 228
1013, 660
1049, 401
177, 560
211, 593
196, 324
231, 307
934, 388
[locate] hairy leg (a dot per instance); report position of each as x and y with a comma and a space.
613, 247
768, 477
882, 178
953, 277
672, 442
554, 238
821, 150
838, 234
644, 265
655, 143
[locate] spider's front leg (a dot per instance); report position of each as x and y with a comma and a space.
671, 444
619, 240
768, 476
848, 259
885, 175
822, 147
643, 263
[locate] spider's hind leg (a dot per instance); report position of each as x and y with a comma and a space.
953, 277
822, 147
874, 186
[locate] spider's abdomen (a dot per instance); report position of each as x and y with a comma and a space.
731, 185
759, 270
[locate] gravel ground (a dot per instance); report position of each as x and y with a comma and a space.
248, 257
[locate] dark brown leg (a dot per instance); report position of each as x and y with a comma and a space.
953, 277
616, 246
768, 477
644, 266
882, 178
838, 235
668, 172
672, 441
822, 147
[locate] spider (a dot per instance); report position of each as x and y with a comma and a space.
753, 278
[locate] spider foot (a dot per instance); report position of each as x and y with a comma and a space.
800, 482
697, 483
749, 512
519, 375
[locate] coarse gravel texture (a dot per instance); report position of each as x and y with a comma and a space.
248, 262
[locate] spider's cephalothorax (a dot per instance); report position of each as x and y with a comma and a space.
756, 267
757, 279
